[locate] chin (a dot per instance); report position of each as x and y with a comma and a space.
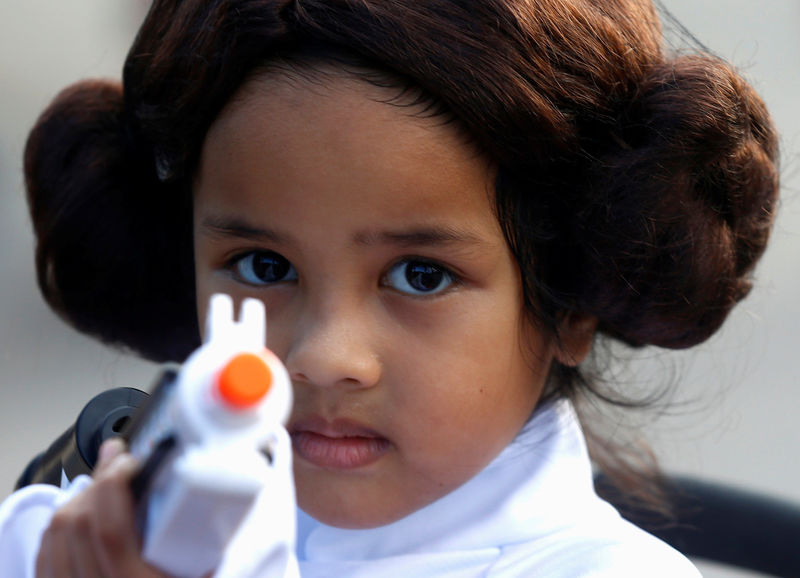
353, 517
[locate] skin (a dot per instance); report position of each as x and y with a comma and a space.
93, 534
352, 191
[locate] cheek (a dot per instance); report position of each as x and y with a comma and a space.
476, 395
206, 285
203, 295
203, 284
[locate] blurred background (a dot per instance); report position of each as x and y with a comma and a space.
736, 414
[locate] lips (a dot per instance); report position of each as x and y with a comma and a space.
340, 445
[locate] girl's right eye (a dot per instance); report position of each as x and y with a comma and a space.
263, 268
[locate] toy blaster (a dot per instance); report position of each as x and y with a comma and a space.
208, 439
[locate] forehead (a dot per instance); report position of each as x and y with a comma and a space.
333, 142
281, 111
292, 84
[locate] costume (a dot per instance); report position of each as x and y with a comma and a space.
531, 512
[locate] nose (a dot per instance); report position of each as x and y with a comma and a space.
334, 350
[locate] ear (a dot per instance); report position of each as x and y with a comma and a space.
576, 335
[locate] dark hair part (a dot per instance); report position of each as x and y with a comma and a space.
633, 186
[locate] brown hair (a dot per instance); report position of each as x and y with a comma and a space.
632, 185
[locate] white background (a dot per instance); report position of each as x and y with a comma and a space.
738, 422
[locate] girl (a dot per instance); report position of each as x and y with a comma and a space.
442, 204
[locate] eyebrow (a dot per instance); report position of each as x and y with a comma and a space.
217, 226
419, 236
220, 226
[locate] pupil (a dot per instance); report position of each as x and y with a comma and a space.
424, 277
270, 268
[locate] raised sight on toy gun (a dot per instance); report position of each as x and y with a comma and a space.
208, 439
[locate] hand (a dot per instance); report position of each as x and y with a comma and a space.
94, 534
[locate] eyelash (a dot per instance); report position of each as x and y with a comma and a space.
241, 268
236, 263
452, 279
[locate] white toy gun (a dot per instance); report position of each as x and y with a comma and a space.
209, 438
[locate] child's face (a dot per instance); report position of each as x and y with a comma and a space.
390, 291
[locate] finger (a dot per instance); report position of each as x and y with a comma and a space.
116, 544
54, 560
92, 533
44, 557
82, 553
109, 450
121, 467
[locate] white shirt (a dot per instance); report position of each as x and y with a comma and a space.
531, 512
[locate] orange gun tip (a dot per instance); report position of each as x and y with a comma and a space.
244, 381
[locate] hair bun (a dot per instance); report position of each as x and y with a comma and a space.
692, 198
93, 194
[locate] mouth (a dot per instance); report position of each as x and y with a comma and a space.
338, 445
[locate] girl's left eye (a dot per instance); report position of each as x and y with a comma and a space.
419, 277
